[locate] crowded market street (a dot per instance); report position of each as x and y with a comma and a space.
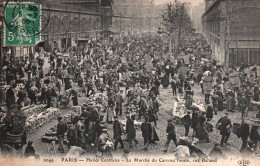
160, 90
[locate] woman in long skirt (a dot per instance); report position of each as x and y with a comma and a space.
154, 136
110, 110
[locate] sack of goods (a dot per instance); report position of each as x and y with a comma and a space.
182, 151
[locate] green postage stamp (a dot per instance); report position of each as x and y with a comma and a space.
22, 24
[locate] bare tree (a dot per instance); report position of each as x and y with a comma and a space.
228, 11
176, 24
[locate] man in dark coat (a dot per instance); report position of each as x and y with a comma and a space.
43, 94
194, 121
220, 99
171, 134
187, 122
155, 107
243, 104
155, 90
256, 92
130, 130
244, 133
174, 87
143, 106
146, 129
119, 103
209, 113
225, 126
10, 99
94, 117
61, 130
117, 133
248, 95
165, 81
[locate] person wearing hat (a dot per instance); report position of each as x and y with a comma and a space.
214, 99
70, 134
79, 132
230, 100
256, 92
97, 131
171, 135
202, 132
130, 130
119, 103
243, 104
146, 129
155, 107
174, 87
104, 144
220, 99
110, 110
118, 131
225, 128
248, 95
187, 122
209, 112
61, 130
143, 105
94, 118
29, 150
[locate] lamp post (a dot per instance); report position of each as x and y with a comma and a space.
2, 83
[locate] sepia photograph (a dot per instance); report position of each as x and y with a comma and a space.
129, 82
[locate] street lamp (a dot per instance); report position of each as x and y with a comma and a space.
2, 83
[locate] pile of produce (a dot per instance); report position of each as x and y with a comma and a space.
178, 110
33, 109
198, 107
50, 135
36, 121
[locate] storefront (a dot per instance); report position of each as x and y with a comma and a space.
248, 56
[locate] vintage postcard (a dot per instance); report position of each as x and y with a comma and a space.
129, 82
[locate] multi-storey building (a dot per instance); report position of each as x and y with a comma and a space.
67, 23
135, 16
232, 28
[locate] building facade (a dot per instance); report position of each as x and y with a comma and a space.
65, 23
135, 16
232, 27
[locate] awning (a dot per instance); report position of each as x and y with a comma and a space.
111, 30
83, 39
